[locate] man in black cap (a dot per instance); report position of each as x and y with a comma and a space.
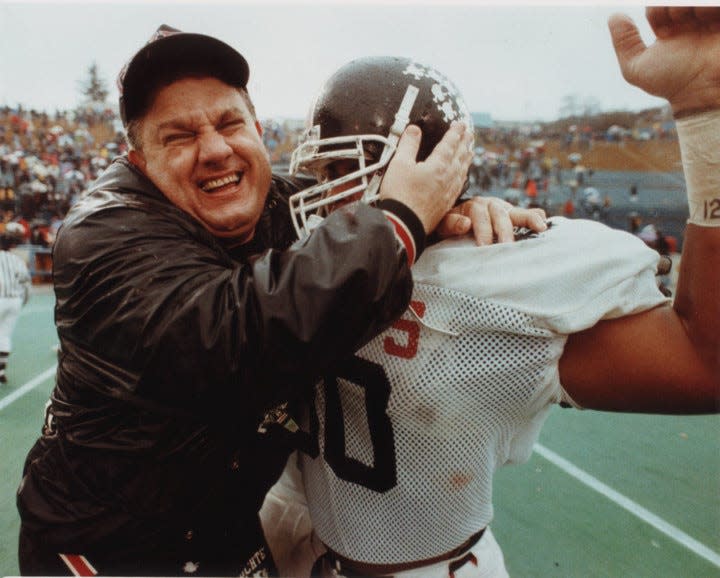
189, 325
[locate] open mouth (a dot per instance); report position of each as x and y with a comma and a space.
214, 185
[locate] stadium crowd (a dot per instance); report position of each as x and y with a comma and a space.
48, 160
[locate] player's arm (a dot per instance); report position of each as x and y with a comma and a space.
640, 363
668, 359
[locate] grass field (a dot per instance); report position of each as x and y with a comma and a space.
31, 377
604, 495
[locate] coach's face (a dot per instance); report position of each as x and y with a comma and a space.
202, 147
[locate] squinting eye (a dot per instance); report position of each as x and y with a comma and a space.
232, 123
175, 138
231, 126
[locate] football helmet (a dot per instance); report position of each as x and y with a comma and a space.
359, 116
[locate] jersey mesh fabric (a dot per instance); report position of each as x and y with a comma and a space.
459, 405
450, 430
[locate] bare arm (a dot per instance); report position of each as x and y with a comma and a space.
667, 360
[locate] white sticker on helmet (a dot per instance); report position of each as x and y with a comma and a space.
445, 94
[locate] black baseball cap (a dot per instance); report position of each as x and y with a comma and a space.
169, 55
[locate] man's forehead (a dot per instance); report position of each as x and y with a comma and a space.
186, 118
188, 96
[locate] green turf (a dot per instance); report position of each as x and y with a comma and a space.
20, 422
549, 524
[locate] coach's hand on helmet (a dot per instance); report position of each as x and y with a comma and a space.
430, 187
682, 65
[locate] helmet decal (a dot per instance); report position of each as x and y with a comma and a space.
445, 94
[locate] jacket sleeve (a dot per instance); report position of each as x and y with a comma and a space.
163, 315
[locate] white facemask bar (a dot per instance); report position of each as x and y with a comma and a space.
308, 158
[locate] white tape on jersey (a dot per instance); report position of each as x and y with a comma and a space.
699, 137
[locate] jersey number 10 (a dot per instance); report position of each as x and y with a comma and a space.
381, 476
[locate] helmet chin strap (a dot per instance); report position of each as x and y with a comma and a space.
402, 118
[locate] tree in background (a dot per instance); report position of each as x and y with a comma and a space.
94, 88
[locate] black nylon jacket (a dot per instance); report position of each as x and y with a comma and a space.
173, 347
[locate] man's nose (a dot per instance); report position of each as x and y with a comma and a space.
213, 148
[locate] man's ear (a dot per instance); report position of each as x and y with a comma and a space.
258, 127
137, 159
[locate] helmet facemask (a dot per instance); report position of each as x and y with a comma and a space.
315, 155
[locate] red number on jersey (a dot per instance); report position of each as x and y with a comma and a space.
412, 328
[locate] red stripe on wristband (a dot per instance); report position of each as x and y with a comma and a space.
402, 232
78, 565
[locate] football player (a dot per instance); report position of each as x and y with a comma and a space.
404, 437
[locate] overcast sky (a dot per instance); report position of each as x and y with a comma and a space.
514, 61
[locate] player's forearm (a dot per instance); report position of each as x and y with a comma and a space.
698, 292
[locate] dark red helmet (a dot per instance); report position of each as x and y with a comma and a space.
360, 114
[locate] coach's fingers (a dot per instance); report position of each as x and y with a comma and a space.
450, 160
502, 225
428, 188
491, 220
409, 144
450, 144
482, 228
534, 219
454, 225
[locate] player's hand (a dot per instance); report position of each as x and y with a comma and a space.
430, 187
682, 65
490, 219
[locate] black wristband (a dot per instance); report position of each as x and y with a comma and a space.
405, 222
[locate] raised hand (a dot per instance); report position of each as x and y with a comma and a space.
682, 65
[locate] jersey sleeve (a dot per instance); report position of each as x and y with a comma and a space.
567, 278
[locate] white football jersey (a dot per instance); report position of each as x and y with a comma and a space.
411, 430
